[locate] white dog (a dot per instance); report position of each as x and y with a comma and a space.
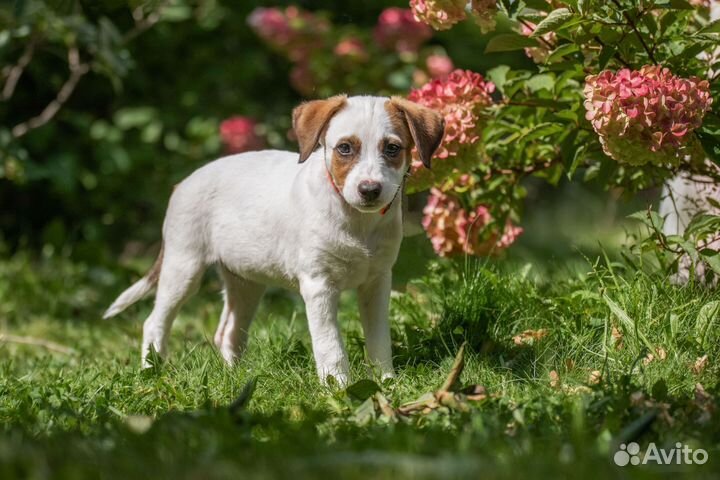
329, 223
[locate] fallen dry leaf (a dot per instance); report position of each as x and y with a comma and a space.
529, 337
704, 403
700, 364
475, 393
554, 379
595, 377
447, 396
617, 338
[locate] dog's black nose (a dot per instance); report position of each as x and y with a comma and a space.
369, 190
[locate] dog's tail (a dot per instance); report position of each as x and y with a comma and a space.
137, 290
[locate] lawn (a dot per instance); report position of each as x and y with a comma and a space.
565, 358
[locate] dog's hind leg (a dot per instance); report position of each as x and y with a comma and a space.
180, 275
241, 300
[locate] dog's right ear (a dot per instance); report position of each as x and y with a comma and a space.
310, 120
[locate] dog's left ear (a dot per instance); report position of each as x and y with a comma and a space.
310, 120
426, 126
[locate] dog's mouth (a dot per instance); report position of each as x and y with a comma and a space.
369, 207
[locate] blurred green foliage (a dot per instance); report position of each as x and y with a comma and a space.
160, 77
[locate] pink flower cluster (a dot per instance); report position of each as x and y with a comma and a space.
454, 230
398, 30
439, 66
297, 33
239, 134
292, 31
460, 97
443, 14
647, 115
351, 47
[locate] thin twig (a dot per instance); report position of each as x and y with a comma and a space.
523, 170
632, 24
77, 70
616, 54
143, 22
539, 37
16, 71
37, 342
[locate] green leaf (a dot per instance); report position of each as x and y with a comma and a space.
628, 324
576, 159
681, 5
365, 413
608, 51
542, 130
553, 21
660, 390
498, 76
712, 27
703, 224
543, 81
362, 389
242, 401
507, 42
131, 117
707, 315
712, 258
562, 51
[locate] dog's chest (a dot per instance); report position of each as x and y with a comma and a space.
352, 260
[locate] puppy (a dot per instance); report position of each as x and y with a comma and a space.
328, 223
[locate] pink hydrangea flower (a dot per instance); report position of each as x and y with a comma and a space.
398, 30
443, 14
460, 97
439, 66
540, 53
647, 115
351, 47
239, 134
292, 31
454, 230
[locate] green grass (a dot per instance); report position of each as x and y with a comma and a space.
93, 413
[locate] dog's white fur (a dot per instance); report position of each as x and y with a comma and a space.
264, 219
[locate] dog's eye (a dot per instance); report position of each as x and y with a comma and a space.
344, 149
391, 150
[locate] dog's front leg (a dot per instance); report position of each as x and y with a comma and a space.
374, 303
321, 304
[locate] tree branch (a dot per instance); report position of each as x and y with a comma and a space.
143, 22
16, 71
36, 342
632, 24
77, 71
539, 37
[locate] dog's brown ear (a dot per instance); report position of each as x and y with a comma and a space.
310, 120
426, 126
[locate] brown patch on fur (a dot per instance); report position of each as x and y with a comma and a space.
426, 127
341, 165
154, 274
401, 129
310, 120
398, 160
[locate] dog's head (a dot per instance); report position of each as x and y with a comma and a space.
366, 143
